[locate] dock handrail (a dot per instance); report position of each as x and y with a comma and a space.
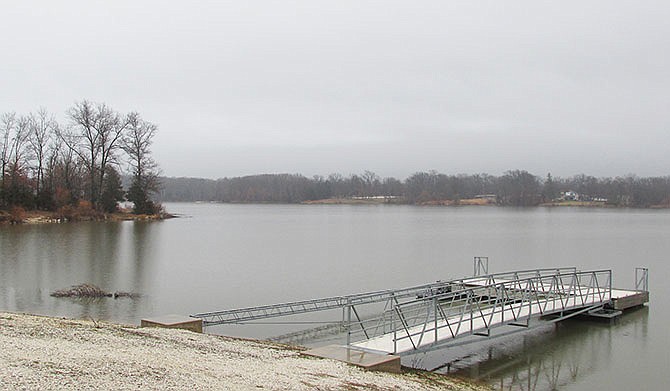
642, 279
481, 305
249, 314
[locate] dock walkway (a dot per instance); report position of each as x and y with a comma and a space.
433, 315
493, 304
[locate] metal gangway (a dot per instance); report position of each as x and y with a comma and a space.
419, 318
250, 314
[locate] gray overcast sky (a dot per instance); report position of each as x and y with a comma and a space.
395, 87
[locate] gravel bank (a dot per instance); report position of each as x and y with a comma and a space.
48, 353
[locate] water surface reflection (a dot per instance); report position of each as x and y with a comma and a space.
550, 358
37, 260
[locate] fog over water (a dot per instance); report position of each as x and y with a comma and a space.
394, 87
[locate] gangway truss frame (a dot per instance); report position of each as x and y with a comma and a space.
482, 304
250, 314
428, 316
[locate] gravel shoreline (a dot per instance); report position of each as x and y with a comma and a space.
39, 352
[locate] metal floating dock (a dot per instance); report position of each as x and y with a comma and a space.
492, 302
444, 313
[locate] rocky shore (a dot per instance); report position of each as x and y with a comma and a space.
46, 217
43, 353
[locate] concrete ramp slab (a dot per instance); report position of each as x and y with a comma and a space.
365, 359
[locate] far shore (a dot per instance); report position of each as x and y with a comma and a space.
45, 217
468, 202
398, 201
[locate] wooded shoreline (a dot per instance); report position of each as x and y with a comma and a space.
46, 217
470, 202
514, 188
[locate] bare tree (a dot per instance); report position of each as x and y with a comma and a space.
67, 174
371, 182
137, 144
8, 122
41, 128
17, 150
53, 158
519, 188
18, 192
94, 136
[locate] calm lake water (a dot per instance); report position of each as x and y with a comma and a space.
229, 256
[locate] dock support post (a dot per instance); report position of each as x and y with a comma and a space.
435, 314
642, 279
348, 322
481, 265
395, 335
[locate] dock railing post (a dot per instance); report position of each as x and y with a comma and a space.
481, 264
609, 282
435, 314
641, 279
395, 335
348, 322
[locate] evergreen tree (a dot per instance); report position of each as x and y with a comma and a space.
139, 196
112, 191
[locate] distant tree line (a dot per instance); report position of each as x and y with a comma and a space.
75, 167
513, 188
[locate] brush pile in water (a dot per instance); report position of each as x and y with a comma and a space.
89, 290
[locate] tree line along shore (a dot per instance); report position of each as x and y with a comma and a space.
74, 170
83, 168
516, 188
